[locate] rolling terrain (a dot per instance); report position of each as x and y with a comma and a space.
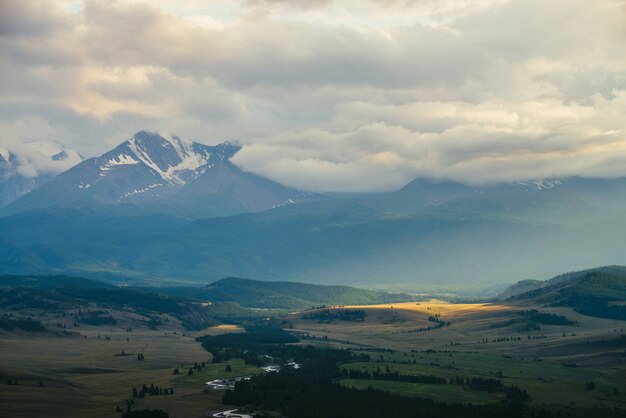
103, 340
281, 295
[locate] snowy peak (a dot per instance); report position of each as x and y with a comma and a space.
175, 161
168, 175
157, 152
150, 166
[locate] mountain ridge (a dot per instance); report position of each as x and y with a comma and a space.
208, 219
149, 168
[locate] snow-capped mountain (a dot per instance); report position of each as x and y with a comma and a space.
149, 166
164, 174
30, 165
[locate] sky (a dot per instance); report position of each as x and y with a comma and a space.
352, 95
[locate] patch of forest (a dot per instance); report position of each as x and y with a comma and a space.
328, 315
530, 320
64, 293
11, 322
284, 295
313, 390
596, 293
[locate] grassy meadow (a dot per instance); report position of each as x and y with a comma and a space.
553, 363
83, 374
73, 369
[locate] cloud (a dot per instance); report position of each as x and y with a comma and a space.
32, 18
349, 96
31, 156
382, 147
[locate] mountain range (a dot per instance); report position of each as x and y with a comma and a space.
156, 209
163, 175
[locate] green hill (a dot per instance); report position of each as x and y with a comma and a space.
525, 286
59, 293
294, 295
600, 292
283, 295
50, 282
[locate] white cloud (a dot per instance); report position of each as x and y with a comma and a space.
351, 95
32, 156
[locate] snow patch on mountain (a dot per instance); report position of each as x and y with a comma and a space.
4, 153
186, 177
122, 159
540, 184
184, 159
139, 191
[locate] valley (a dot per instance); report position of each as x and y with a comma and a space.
131, 280
312, 209
88, 351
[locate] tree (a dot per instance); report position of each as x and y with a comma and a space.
228, 368
190, 372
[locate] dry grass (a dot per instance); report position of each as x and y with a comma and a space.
445, 309
83, 376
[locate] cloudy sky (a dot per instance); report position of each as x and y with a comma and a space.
349, 95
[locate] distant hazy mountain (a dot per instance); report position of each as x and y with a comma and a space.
168, 175
161, 209
474, 241
526, 198
33, 165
